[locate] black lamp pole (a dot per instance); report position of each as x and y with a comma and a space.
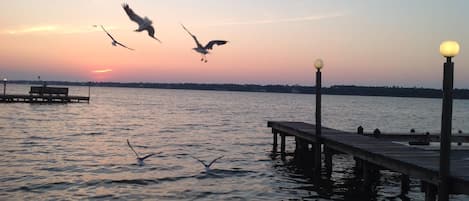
445, 142
4, 87
317, 150
89, 89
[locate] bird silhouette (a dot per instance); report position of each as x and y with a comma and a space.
203, 50
207, 166
139, 159
143, 23
114, 41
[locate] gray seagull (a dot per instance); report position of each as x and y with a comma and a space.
114, 41
139, 159
207, 166
143, 23
203, 50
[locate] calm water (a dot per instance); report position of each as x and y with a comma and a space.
78, 151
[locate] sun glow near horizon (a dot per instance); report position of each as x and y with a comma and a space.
107, 70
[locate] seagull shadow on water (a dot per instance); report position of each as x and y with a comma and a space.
207, 166
139, 159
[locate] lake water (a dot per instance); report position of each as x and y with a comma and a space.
79, 151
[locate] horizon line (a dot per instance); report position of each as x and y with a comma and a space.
212, 83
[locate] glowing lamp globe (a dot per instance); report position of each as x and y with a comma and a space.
318, 64
4, 79
449, 48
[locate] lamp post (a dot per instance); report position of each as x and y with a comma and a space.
89, 89
318, 64
448, 49
4, 86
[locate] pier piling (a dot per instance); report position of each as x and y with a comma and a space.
405, 184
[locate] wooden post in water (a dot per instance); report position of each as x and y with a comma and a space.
366, 175
405, 182
274, 148
358, 161
301, 151
430, 192
328, 154
282, 144
360, 130
89, 91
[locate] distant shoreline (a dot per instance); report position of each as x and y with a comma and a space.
298, 89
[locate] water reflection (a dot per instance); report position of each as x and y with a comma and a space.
79, 151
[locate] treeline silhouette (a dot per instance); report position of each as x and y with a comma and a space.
393, 91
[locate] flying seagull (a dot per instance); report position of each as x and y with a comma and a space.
203, 50
143, 23
207, 166
114, 41
139, 159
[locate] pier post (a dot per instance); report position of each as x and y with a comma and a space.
282, 144
328, 154
405, 181
358, 164
430, 192
89, 92
301, 151
358, 161
366, 175
275, 144
360, 130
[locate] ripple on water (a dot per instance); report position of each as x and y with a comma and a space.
87, 134
39, 188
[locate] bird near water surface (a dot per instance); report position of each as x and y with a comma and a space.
143, 23
203, 50
139, 159
207, 166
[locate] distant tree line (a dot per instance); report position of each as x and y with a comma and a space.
333, 90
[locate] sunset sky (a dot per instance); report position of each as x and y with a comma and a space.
366, 42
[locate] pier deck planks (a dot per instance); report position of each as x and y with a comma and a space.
418, 163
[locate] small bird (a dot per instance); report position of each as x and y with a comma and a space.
143, 23
207, 166
139, 159
201, 49
114, 41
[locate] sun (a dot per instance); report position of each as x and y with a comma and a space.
101, 74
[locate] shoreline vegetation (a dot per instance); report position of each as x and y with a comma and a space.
393, 91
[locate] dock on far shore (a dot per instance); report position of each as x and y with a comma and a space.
44, 94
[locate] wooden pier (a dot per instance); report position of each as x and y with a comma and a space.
43, 94
379, 152
22, 98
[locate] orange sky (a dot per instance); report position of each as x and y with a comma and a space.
270, 42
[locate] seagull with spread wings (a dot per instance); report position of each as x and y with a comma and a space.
207, 166
203, 50
139, 159
143, 23
114, 41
